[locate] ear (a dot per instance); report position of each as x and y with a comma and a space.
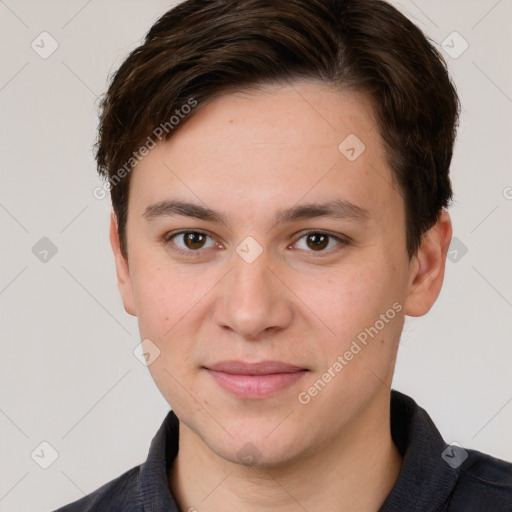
124, 280
427, 267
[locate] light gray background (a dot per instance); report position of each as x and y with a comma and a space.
67, 370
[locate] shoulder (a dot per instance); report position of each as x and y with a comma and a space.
120, 494
484, 483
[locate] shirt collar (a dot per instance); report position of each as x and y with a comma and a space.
424, 483
153, 475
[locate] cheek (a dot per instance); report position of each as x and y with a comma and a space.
352, 302
173, 304
163, 298
167, 315
349, 298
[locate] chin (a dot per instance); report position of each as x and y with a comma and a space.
254, 447
261, 455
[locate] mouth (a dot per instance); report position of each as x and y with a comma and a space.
254, 380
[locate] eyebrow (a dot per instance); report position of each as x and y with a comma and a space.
338, 208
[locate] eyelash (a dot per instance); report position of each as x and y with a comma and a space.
340, 239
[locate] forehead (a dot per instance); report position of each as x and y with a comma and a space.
262, 148
303, 113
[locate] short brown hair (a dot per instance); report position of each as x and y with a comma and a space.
203, 48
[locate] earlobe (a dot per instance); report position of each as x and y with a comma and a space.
427, 267
124, 282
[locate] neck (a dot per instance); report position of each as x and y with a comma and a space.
355, 473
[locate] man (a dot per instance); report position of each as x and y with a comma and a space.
279, 174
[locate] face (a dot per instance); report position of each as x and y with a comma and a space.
268, 268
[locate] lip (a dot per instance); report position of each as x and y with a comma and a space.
254, 380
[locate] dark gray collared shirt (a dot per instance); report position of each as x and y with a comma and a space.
435, 477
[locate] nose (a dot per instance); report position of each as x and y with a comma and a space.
253, 301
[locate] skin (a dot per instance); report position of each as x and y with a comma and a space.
249, 156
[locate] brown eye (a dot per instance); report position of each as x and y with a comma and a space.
194, 240
320, 242
317, 241
191, 241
